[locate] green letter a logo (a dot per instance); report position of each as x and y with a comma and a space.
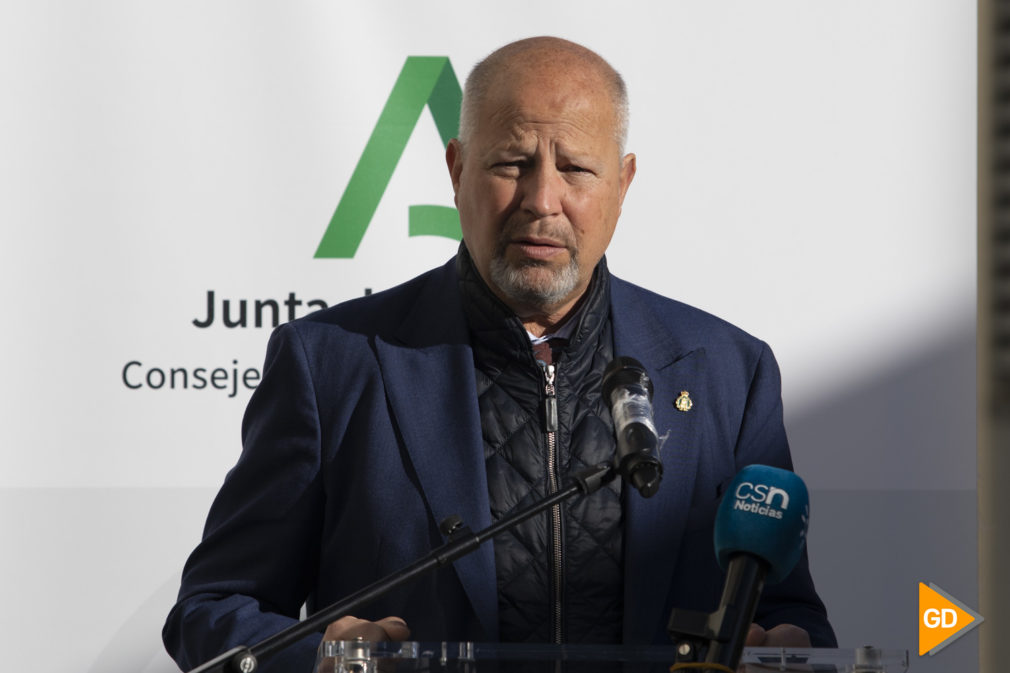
424, 80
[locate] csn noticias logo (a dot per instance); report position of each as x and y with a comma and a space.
424, 81
762, 499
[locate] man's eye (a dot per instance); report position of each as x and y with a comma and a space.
508, 167
574, 168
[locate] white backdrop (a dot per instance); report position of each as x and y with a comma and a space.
806, 171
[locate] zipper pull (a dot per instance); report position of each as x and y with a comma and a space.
550, 401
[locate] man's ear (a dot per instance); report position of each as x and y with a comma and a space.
454, 160
628, 168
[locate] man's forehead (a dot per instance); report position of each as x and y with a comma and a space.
526, 107
513, 129
522, 108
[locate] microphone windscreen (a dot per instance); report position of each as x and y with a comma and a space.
764, 513
624, 372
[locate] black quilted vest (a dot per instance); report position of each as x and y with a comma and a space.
560, 574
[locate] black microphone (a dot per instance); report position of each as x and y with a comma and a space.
628, 391
760, 530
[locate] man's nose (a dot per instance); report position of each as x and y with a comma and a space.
543, 189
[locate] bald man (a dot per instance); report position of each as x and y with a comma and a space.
473, 390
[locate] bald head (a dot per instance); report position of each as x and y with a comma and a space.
538, 56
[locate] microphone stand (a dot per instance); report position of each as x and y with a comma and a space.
717, 638
461, 541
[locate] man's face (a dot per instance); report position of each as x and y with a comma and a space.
539, 187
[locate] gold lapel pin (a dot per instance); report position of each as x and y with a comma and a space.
684, 401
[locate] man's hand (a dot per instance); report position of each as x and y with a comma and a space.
350, 628
783, 635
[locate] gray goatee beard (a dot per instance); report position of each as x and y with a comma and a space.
525, 285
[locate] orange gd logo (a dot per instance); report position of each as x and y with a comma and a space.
942, 619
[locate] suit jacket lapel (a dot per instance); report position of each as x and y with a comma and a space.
429, 379
655, 526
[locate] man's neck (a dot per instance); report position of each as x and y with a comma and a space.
538, 327
549, 322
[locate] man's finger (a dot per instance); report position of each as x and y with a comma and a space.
755, 636
351, 628
396, 629
787, 635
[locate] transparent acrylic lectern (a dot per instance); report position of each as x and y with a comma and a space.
363, 657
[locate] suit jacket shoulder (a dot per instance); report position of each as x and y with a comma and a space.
399, 314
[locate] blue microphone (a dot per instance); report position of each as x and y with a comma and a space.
764, 513
760, 530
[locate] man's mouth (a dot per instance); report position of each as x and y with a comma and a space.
537, 247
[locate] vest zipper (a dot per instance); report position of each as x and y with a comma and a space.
551, 428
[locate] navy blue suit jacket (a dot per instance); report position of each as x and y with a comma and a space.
364, 434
